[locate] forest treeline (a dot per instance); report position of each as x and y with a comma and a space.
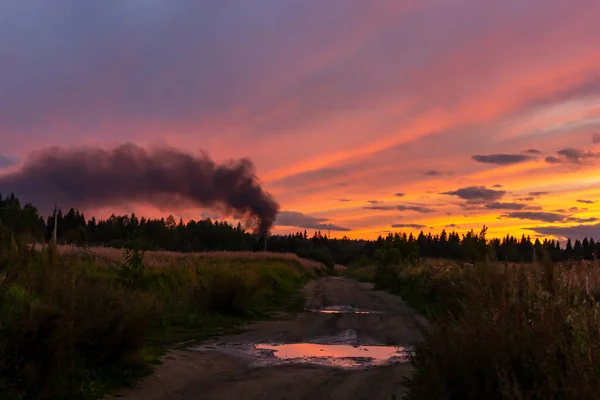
208, 235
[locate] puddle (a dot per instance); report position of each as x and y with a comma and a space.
343, 310
341, 351
336, 355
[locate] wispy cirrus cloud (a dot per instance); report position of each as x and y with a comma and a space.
586, 201
422, 209
380, 207
419, 208
437, 172
413, 226
533, 151
505, 206
538, 194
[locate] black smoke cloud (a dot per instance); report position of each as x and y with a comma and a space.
88, 176
501, 159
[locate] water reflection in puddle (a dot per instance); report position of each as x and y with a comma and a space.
340, 355
335, 355
343, 310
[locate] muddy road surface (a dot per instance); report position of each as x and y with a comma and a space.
351, 342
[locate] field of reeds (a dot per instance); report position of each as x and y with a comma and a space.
76, 322
500, 331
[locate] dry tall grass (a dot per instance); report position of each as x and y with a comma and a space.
501, 332
155, 259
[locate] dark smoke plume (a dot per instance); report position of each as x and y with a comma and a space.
87, 176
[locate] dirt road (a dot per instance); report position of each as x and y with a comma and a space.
231, 368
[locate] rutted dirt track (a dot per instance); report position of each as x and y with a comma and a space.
190, 375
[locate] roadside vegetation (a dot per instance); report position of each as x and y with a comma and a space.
498, 330
509, 319
75, 323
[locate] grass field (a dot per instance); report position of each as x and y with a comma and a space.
499, 331
76, 322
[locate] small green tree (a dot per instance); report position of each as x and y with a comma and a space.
132, 268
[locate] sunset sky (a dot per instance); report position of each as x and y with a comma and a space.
363, 117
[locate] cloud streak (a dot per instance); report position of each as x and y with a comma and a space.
436, 172
477, 193
573, 156
422, 209
502, 159
574, 232
412, 226
300, 220
536, 216
505, 206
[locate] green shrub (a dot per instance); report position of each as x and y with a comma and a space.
72, 326
132, 269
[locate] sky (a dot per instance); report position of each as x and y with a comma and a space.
361, 117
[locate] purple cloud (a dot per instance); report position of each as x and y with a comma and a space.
502, 159
536, 216
477, 193
300, 220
